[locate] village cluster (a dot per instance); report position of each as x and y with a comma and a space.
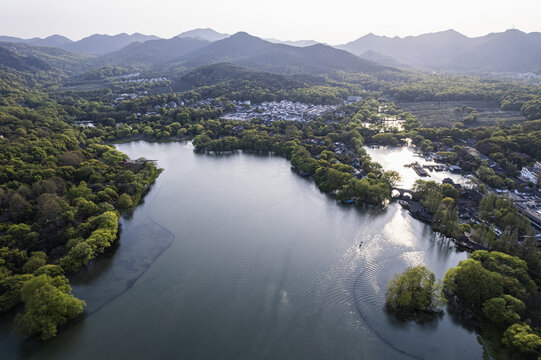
283, 110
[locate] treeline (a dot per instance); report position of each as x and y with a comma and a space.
498, 289
314, 94
510, 96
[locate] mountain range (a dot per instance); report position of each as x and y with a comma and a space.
96, 44
51, 41
509, 51
247, 50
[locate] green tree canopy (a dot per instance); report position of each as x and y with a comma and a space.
48, 303
413, 291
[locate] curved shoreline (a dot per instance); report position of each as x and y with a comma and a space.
132, 282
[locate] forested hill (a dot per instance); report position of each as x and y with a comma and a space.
52, 58
38, 66
10, 60
220, 72
240, 83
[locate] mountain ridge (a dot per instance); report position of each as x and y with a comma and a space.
449, 50
250, 51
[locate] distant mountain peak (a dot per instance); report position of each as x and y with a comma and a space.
451, 31
516, 31
56, 36
207, 34
242, 34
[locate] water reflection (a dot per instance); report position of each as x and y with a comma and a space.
394, 158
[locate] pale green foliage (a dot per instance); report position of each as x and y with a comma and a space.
48, 304
415, 290
472, 283
523, 338
503, 310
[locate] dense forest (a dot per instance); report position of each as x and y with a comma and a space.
61, 195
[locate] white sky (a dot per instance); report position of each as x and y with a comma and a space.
332, 21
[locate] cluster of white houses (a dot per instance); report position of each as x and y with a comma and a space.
531, 173
283, 110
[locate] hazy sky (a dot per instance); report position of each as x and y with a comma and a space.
332, 21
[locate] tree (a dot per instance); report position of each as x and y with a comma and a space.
36, 260
77, 257
48, 303
472, 283
446, 217
449, 190
392, 177
522, 338
414, 291
124, 202
432, 201
10, 290
504, 310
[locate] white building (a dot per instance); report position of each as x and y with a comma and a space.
354, 99
531, 173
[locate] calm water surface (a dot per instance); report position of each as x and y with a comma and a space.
237, 257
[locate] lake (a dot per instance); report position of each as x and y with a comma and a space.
237, 257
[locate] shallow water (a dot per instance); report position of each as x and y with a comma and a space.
237, 257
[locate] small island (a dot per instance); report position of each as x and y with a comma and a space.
415, 294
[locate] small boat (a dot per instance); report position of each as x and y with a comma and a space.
404, 203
